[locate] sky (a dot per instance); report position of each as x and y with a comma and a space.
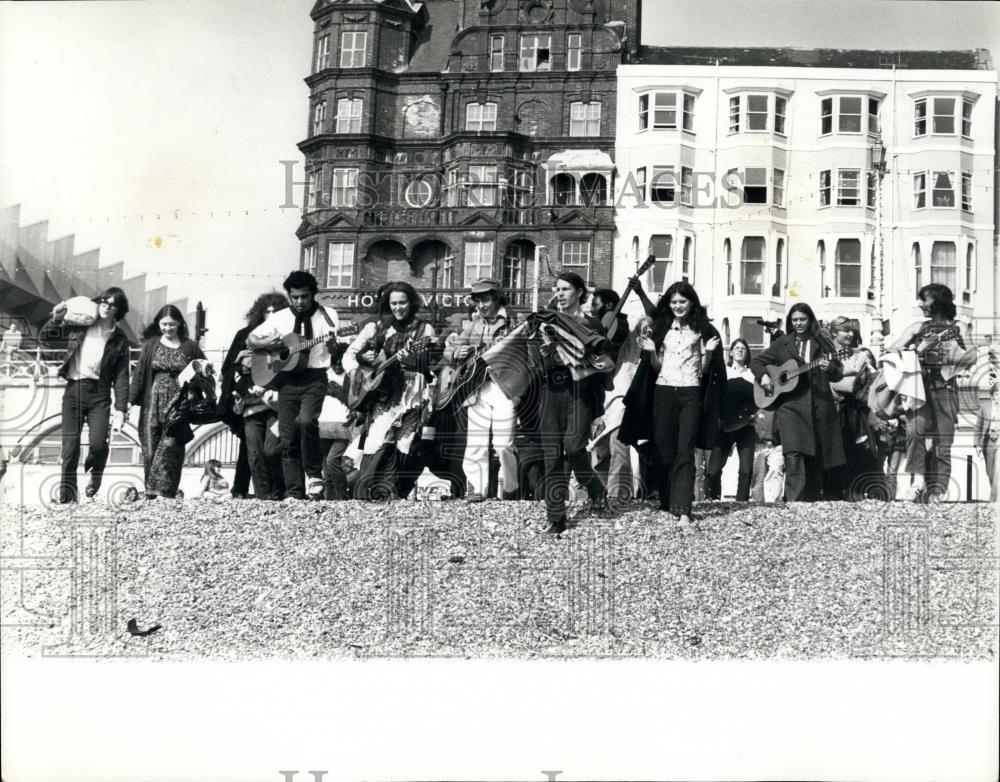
154, 129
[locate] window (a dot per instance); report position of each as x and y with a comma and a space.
848, 268
755, 186
451, 191
323, 53
734, 115
340, 265
824, 188
920, 190
966, 191
661, 247
873, 123
319, 117
752, 265
593, 189
478, 261
344, 190
635, 249
779, 262
849, 120
520, 186
309, 259
482, 186
514, 264
349, 115
970, 266
943, 119
585, 119
352, 49
780, 106
752, 332
920, 117
563, 190
687, 186
448, 272
918, 266
573, 49
496, 53
779, 187
576, 256
640, 183
643, 112
848, 187
943, 193
535, 52
481, 116
661, 188
727, 250
756, 112
314, 189
967, 118
687, 271
943, 264
665, 110
689, 112
870, 201
848, 114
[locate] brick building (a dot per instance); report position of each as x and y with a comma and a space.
449, 140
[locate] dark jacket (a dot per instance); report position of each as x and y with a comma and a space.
806, 418
738, 408
228, 372
636, 423
142, 380
114, 373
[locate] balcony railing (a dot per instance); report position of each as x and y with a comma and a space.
456, 216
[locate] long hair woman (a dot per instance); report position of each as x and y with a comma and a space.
737, 414
392, 425
930, 429
861, 476
251, 423
806, 416
678, 388
166, 350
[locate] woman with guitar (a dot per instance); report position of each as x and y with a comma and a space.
805, 414
930, 429
388, 370
466, 382
676, 394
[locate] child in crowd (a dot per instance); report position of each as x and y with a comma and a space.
213, 485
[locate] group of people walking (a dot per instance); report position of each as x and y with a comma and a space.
363, 414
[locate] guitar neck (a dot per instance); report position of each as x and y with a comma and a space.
806, 367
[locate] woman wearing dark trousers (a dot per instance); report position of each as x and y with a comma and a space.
678, 386
737, 412
805, 417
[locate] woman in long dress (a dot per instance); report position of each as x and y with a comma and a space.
166, 351
392, 427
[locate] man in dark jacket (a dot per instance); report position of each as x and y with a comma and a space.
96, 362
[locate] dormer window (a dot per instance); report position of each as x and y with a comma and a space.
943, 115
752, 111
847, 114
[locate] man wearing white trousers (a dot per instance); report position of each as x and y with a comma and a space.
488, 407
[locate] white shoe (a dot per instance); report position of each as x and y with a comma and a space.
914, 493
314, 488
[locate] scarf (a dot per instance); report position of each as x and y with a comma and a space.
303, 321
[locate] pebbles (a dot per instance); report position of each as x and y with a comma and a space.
248, 579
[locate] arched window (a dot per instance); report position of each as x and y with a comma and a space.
563, 190
752, 265
918, 266
779, 262
635, 249
944, 264
687, 268
824, 288
593, 190
970, 267
727, 248
848, 263
661, 246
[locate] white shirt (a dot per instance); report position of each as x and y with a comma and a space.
282, 323
86, 363
733, 372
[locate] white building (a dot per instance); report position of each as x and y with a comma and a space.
756, 184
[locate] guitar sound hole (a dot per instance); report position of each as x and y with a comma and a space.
283, 354
782, 378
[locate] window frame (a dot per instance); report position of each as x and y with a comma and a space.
934, 278
739, 111
663, 263
832, 115
585, 122
966, 200
683, 108
352, 104
839, 264
310, 258
826, 188
319, 117
566, 245
482, 109
934, 189
349, 188
479, 264
929, 117
487, 181
345, 265
533, 51
574, 50
920, 190
842, 187
658, 172
495, 52
353, 51
746, 262
640, 183
322, 61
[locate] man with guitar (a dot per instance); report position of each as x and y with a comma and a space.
930, 429
465, 381
793, 376
301, 384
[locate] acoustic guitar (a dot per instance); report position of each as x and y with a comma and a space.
364, 384
785, 377
291, 355
610, 319
458, 380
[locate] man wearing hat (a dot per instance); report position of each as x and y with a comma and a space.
488, 406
